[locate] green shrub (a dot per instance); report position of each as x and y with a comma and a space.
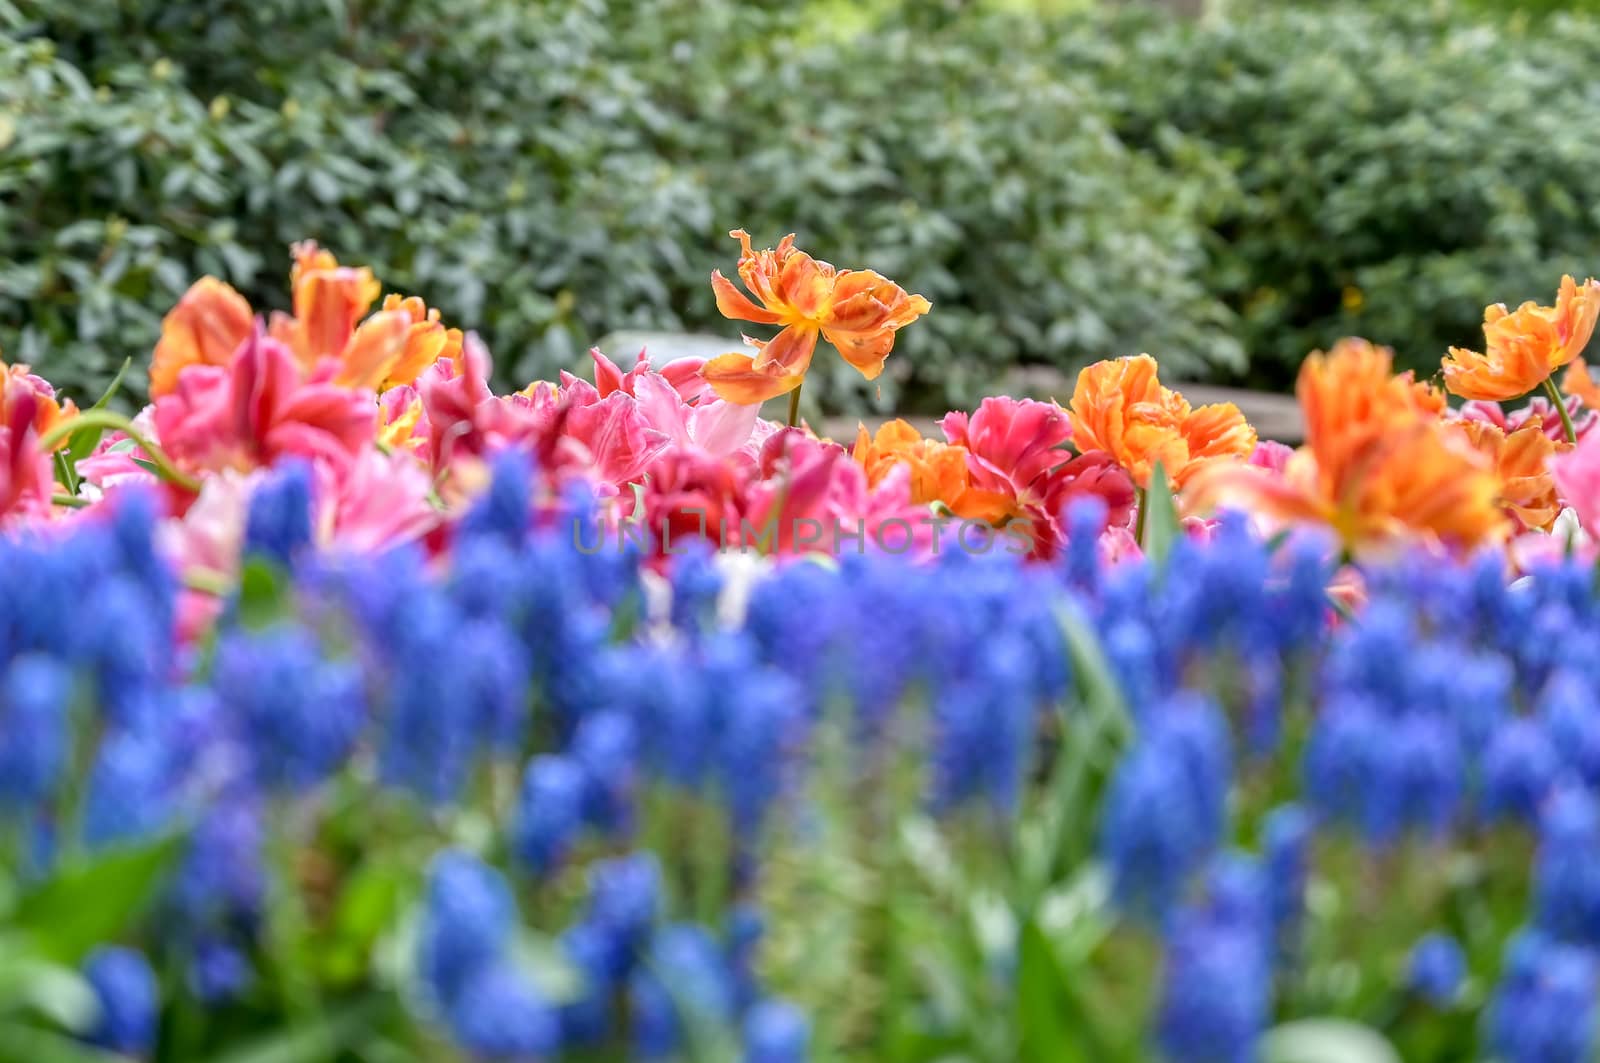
550, 171
1393, 168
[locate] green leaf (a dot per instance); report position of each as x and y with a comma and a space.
50, 990
263, 593
24, 1044
1161, 524
1326, 1041
323, 1038
1041, 993
94, 900
84, 440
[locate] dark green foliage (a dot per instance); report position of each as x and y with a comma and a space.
550, 171
1063, 186
1394, 168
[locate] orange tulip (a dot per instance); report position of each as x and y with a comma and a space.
329, 299
858, 311
1379, 463
1120, 407
205, 328
1523, 347
426, 341
939, 471
1520, 460
48, 412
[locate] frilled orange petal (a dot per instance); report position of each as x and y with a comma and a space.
1521, 462
1119, 406
866, 352
788, 353
1494, 375
205, 328
734, 304
375, 349
1577, 381
1215, 432
805, 286
735, 378
329, 300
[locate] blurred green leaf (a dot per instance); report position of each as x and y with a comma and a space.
94, 899
1160, 523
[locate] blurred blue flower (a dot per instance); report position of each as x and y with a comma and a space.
500, 1015
278, 526
775, 1031
468, 920
35, 729
1544, 1008
1519, 769
297, 712
129, 1000
549, 812
1436, 969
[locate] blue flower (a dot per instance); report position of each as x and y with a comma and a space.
1436, 969
776, 1031
1518, 771
278, 526
35, 729
130, 789
222, 874
1341, 759
549, 812
1544, 1008
298, 713
129, 998
500, 1015
1571, 713
586, 1018
624, 896
468, 919
756, 747
501, 512
218, 972
1286, 843
605, 748
983, 726
686, 958
1567, 876
1216, 992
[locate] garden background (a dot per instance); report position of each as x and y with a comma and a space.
1065, 181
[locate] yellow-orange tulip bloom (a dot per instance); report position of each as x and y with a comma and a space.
1379, 464
329, 299
858, 311
426, 341
1523, 347
205, 328
1577, 381
939, 471
1119, 406
1521, 462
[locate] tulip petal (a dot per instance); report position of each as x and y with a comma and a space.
734, 378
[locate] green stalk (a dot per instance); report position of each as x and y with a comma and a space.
118, 423
1561, 407
794, 404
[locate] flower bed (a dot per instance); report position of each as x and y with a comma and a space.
353, 711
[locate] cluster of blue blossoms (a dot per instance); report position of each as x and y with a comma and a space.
542, 684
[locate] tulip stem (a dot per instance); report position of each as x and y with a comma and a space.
1142, 496
794, 404
164, 468
1561, 407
